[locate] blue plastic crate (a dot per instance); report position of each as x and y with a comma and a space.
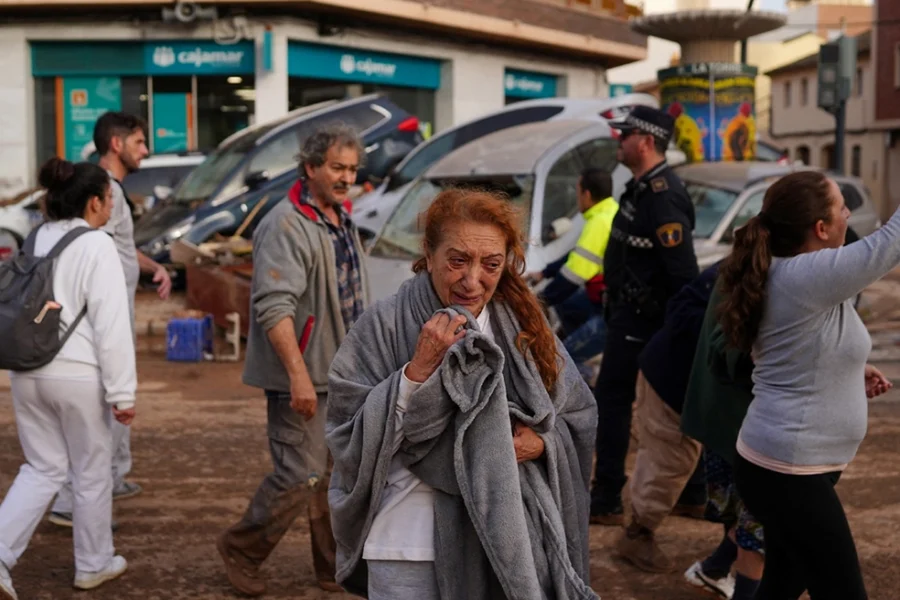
187, 340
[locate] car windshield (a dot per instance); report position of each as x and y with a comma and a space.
219, 166
710, 206
402, 235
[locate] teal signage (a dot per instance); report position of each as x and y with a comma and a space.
199, 58
619, 89
161, 57
85, 99
319, 61
170, 122
524, 84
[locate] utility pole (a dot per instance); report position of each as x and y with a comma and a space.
744, 41
837, 68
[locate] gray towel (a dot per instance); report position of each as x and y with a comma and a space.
502, 530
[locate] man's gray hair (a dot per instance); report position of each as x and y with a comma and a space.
315, 147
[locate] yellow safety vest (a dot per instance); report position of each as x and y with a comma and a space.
585, 263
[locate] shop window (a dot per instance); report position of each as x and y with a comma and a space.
223, 108
45, 113
856, 161
802, 154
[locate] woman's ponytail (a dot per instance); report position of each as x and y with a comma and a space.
743, 278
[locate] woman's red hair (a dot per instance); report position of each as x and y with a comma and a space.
470, 206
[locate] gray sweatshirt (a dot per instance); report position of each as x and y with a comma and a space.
295, 275
809, 406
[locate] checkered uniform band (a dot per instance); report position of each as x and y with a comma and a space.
647, 127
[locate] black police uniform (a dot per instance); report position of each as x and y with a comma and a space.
649, 258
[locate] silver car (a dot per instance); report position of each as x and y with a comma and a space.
372, 210
537, 165
727, 195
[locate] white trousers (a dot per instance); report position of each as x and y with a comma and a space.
121, 449
62, 424
121, 466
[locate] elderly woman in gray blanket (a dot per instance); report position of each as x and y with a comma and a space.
462, 432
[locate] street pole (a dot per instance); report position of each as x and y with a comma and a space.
744, 41
840, 124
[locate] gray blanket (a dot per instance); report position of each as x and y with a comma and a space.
502, 529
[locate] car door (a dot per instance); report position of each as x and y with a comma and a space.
559, 197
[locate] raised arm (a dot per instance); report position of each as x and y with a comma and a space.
825, 278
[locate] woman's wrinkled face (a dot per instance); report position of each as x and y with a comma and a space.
467, 265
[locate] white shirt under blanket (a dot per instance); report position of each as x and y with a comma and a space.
403, 528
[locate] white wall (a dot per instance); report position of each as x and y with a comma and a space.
271, 86
17, 153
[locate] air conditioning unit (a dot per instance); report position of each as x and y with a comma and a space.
188, 12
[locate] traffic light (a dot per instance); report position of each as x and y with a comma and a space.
837, 67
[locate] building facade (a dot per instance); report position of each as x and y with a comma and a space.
886, 55
199, 72
807, 132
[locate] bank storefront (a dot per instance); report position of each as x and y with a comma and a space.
193, 94
521, 85
320, 72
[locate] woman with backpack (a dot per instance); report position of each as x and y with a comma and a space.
64, 408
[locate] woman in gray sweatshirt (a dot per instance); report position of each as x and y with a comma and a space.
787, 298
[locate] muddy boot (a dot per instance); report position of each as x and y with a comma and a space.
324, 547
638, 546
246, 545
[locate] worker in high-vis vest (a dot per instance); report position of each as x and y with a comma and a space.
577, 286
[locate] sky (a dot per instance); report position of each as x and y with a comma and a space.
660, 52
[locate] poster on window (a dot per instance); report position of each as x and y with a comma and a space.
714, 110
84, 100
171, 122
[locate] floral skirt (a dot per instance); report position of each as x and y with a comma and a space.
725, 506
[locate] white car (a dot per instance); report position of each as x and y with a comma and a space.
16, 222
372, 210
536, 165
156, 178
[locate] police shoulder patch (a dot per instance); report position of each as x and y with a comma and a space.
659, 184
670, 235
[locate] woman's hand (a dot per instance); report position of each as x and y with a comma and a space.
528, 444
125, 417
876, 383
437, 336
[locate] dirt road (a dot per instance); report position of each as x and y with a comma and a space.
200, 449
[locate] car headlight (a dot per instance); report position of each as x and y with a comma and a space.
178, 230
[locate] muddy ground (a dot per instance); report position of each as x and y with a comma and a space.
200, 449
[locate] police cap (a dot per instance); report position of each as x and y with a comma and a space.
647, 120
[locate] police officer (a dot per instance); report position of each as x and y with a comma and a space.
650, 256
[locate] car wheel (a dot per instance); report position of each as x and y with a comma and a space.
9, 244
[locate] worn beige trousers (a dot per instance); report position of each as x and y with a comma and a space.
666, 458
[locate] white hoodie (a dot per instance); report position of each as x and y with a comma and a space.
89, 272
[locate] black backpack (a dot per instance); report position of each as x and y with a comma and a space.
29, 327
